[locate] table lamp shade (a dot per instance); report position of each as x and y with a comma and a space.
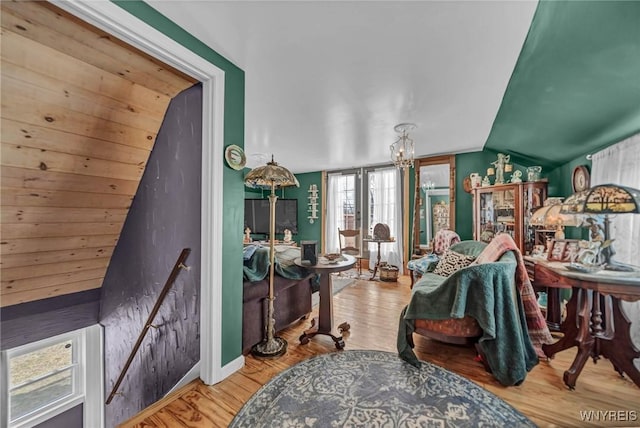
551, 216
603, 199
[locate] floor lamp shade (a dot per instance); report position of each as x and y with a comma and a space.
270, 176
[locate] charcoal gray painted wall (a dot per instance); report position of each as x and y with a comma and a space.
164, 218
72, 418
37, 320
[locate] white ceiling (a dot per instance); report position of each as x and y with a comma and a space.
326, 81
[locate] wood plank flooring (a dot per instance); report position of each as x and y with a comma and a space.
372, 309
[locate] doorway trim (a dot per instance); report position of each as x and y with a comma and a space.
116, 21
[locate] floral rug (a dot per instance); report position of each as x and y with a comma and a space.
373, 389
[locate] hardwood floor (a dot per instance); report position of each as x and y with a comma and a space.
372, 309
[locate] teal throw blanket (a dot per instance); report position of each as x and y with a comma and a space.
256, 268
485, 292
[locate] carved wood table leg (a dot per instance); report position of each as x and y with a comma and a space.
620, 349
584, 340
569, 327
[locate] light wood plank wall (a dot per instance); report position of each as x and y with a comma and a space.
79, 118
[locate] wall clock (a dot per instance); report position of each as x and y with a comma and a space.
580, 179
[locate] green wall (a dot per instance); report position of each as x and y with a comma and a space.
560, 185
307, 231
233, 217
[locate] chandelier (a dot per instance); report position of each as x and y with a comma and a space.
402, 149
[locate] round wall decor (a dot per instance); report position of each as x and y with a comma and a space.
235, 157
580, 179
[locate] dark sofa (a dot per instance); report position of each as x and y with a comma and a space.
293, 287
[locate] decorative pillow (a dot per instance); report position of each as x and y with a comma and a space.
451, 262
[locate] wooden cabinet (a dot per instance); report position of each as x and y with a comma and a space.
507, 208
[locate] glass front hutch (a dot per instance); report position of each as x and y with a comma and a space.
507, 208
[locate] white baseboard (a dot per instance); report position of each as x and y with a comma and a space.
192, 374
230, 368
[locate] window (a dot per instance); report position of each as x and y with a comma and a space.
381, 190
45, 378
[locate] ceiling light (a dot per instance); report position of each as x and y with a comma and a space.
402, 149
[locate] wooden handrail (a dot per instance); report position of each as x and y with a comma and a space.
165, 290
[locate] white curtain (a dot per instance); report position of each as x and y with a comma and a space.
620, 164
335, 214
385, 204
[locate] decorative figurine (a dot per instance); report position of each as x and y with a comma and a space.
247, 235
485, 181
517, 176
287, 236
500, 164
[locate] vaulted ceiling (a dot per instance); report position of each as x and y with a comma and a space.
327, 81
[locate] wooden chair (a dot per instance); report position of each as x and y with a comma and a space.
350, 244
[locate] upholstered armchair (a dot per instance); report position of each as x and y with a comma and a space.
462, 302
444, 239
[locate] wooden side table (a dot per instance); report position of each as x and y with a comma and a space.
595, 321
553, 313
377, 265
324, 323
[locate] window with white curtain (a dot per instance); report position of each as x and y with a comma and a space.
342, 207
384, 187
620, 164
378, 196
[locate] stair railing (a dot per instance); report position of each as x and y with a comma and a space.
165, 290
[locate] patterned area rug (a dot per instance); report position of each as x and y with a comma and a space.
373, 389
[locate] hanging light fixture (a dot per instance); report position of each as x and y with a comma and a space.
402, 149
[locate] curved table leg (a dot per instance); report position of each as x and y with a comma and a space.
323, 324
584, 340
621, 350
569, 326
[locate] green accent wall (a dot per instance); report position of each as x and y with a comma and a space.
576, 85
560, 185
307, 231
233, 217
